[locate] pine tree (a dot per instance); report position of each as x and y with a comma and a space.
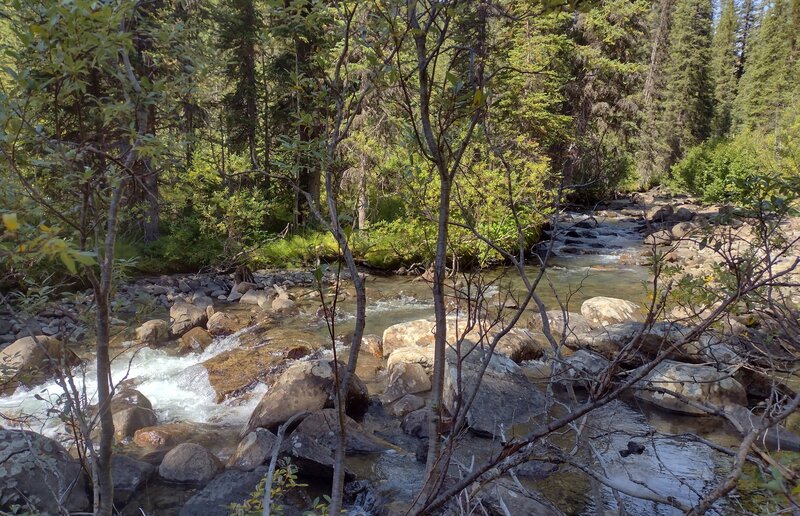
770, 75
724, 64
688, 95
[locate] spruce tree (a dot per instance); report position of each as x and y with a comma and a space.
724, 63
688, 95
770, 75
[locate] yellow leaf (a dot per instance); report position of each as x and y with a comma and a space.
10, 222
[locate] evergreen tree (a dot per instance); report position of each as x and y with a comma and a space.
748, 19
770, 75
724, 65
688, 96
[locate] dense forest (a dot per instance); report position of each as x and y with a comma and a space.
231, 107
297, 157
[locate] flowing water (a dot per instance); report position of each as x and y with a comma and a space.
586, 261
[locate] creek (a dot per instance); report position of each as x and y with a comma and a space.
592, 257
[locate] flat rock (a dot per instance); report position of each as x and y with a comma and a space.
602, 311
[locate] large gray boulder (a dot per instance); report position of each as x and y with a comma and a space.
405, 378
253, 450
506, 397
186, 316
189, 463
322, 427
231, 486
128, 475
36, 471
310, 457
696, 383
305, 386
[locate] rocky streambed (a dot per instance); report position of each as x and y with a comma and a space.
209, 367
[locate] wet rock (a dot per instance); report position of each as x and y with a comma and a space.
284, 304
405, 378
306, 387
131, 411
373, 345
683, 229
776, 438
222, 323
518, 345
253, 450
129, 475
504, 496
697, 383
26, 362
186, 316
506, 396
231, 486
602, 311
322, 427
237, 370
195, 340
171, 434
189, 463
153, 332
682, 214
244, 287
311, 458
256, 297
406, 404
37, 469
415, 423
203, 301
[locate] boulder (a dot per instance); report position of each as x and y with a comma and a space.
582, 369
683, 229
283, 304
322, 427
253, 450
602, 311
506, 397
682, 214
244, 287
131, 411
412, 355
37, 470
171, 434
203, 301
662, 237
186, 316
518, 345
26, 362
305, 386
373, 345
312, 459
571, 323
697, 383
405, 405
195, 340
153, 332
415, 423
222, 323
659, 213
189, 463
504, 496
775, 438
405, 378
237, 370
417, 333
231, 486
256, 297
129, 475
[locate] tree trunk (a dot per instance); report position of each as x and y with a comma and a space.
104, 497
362, 193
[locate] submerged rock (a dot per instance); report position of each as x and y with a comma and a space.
306, 387
506, 397
36, 470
